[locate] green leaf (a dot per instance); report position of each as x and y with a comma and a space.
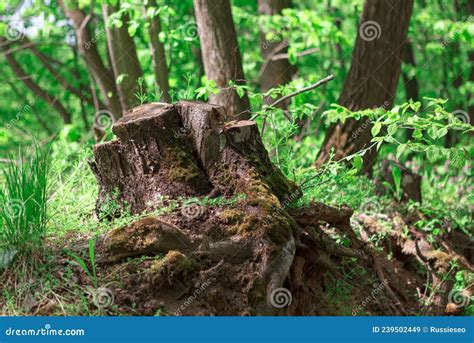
400, 150
358, 162
291, 56
432, 153
81, 263
376, 129
240, 91
120, 78
392, 129
418, 134
397, 179
457, 158
92, 259
433, 132
442, 132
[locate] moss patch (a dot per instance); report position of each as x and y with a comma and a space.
173, 262
181, 167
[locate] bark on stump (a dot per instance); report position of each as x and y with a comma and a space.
243, 251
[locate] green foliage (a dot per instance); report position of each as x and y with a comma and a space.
91, 273
23, 198
429, 125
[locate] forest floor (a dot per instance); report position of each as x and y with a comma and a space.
388, 257
400, 270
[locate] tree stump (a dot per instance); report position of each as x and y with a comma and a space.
236, 237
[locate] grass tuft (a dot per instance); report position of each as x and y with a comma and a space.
23, 200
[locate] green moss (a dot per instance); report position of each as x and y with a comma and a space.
174, 261
275, 180
249, 225
231, 216
181, 168
280, 229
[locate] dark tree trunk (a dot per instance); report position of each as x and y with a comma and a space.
221, 54
21, 74
373, 77
275, 72
158, 56
124, 59
88, 48
411, 83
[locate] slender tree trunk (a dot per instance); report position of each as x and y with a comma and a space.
21, 74
123, 55
158, 56
82, 100
275, 72
411, 83
221, 54
88, 48
373, 77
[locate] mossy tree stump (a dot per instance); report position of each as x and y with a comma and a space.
242, 252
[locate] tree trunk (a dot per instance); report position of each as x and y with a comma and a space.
274, 72
32, 85
411, 83
124, 59
373, 77
221, 55
158, 56
88, 48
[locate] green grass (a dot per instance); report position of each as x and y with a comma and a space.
23, 199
